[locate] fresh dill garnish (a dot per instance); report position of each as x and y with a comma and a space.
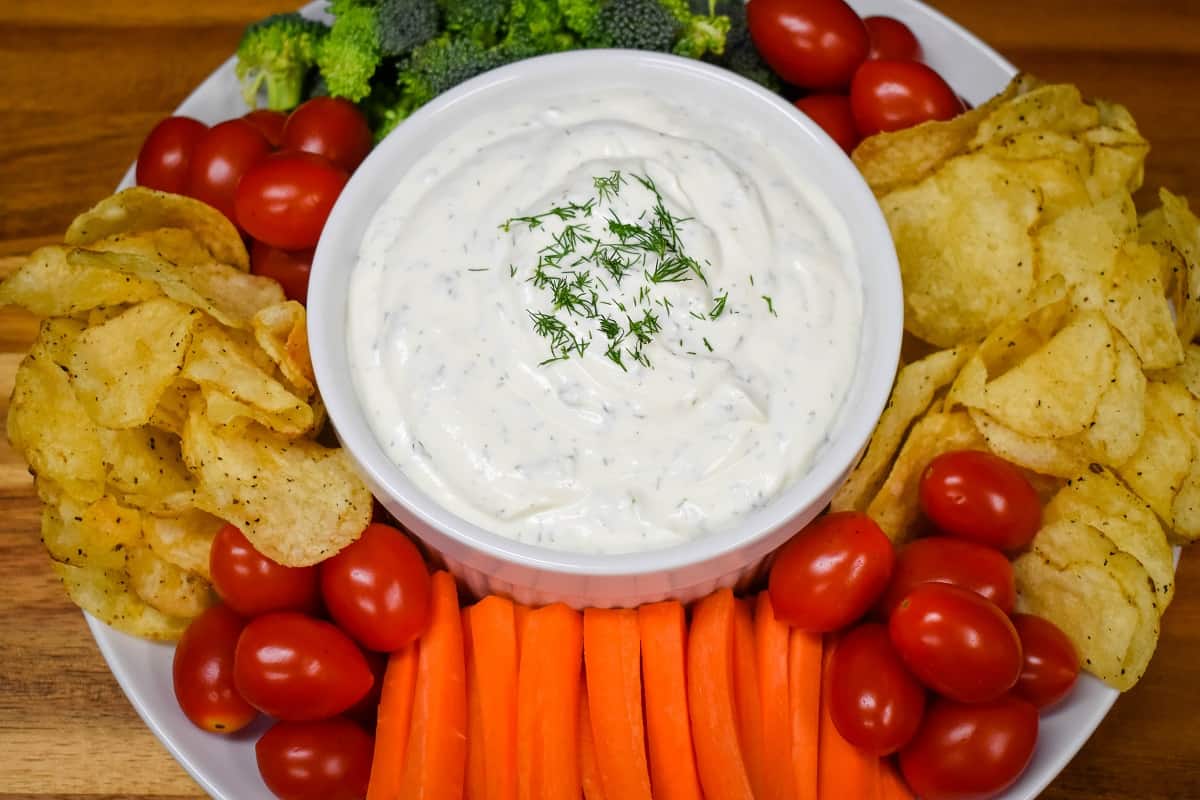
770, 305
696, 315
718, 306
706, 344
477, 269
608, 186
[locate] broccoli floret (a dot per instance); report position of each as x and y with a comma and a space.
635, 24
350, 53
703, 32
580, 17
442, 64
278, 52
404, 24
481, 20
740, 56
536, 27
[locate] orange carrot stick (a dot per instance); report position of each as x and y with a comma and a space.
710, 700
548, 686
771, 639
435, 762
476, 783
494, 637
804, 693
892, 786
747, 699
589, 770
663, 630
612, 661
392, 725
842, 769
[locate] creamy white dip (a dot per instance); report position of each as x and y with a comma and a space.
583, 454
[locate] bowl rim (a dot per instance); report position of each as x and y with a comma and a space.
851, 428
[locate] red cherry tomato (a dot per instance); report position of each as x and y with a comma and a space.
891, 95
366, 711
378, 589
944, 559
290, 267
891, 40
269, 123
221, 158
956, 643
970, 752
814, 44
285, 199
331, 127
832, 113
252, 584
830, 573
294, 667
325, 760
981, 497
203, 672
163, 161
874, 701
1051, 664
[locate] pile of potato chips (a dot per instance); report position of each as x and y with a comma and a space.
169, 392
1068, 326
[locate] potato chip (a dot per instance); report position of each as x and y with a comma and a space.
56, 336
1054, 392
1187, 374
966, 254
1098, 499
140, 209
236, 388
172, 410
1083, 244
1058, 457
144, 466
896, 505
121, 368
1054, 107
47, 284
106, 595
177, 246
1163, 461
1182, 230
912, 393
1114, 435
282, 333
166, 587
49, 428
96, 535
1186, 508
231, 296
184, 540
296, 501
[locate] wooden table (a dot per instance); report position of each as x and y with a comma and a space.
81, 82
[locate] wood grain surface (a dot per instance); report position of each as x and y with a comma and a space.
82, 81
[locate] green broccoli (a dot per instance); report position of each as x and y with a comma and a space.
404, 24
536, 27
703, 33
442, 64
634, 24
740, 56
278, 52
481, 20
350, 54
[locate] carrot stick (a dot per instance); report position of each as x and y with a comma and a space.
771, 639
520, 617
548, 687
892, 786
663, 631
392, 725
612, 661
589, 770
476, 785
804, 692
842, 769
747, 700
494, 637
710, 700
435, 762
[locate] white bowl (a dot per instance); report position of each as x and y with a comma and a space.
488, 562
224, 767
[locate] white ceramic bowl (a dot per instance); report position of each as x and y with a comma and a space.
488, 562
224, 767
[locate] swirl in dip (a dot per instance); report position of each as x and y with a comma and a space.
606, 324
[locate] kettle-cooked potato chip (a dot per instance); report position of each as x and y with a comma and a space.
281, 331
107, 595
1115, 433
166, 587
121, 368
139, 209
1175, 232
144, 466
1054, 107
1058, 457
1163, 462
184, 539
48, 284
97, 535
1187, 374
296, 501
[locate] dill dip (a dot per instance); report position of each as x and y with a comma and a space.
609, 324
